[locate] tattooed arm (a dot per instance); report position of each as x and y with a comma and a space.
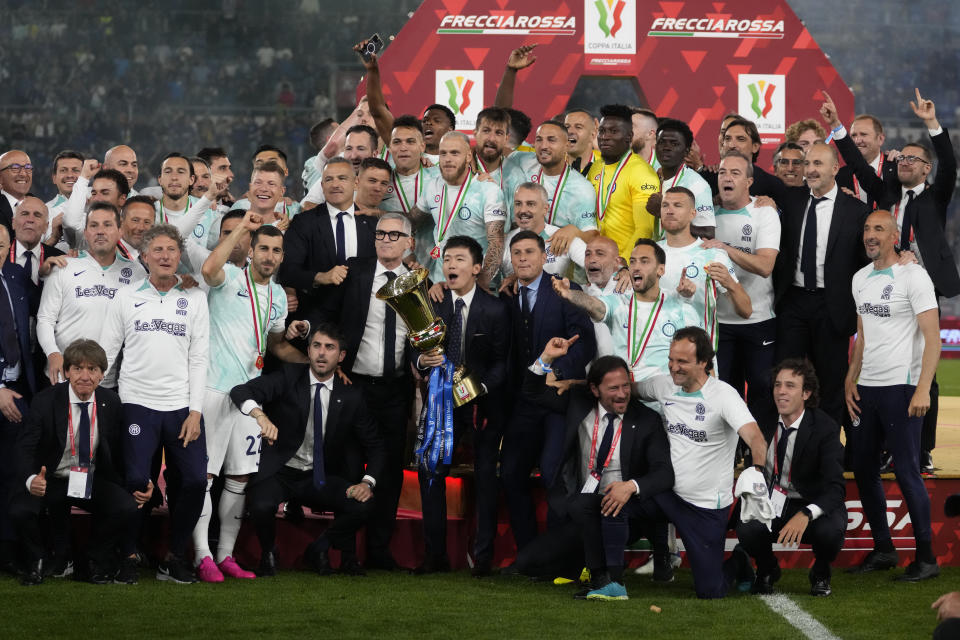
491, 261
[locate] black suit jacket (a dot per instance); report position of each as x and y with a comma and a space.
846, 173
817, 463
644, 449
42, 439
551, 318
845, 253
350, 439
928, 211
764, 184
26, 299
309, 248
6, 215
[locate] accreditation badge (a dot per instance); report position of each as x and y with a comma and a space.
80, 483
779, 499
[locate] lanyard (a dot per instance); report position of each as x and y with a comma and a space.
485, 170
593, 444
636, 347
856, 183
93, 423
557, 191
260, 321
398, 189
461, 194
603, 201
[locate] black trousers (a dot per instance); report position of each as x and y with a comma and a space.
825, 535
266, 494
805, 329
388, 400
114, 518
746, 356
485, 427
533, 437
8, 466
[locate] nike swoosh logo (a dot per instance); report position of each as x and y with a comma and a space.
667, 404
767, 343
137, 304
76, 273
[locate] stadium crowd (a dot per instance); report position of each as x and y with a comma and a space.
618, 315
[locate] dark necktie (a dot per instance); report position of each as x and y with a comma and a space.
29, 266
319, 477
83, 436
341, 239
907, 223
8, 328
527, 321
389, 334
808, 252
605, 443
782, 449
454, 340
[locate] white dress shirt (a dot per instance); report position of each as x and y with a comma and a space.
611, 473
824, 216
349, 228
70, 459
369, 361
467, 302
22, 260
11, 199
786, 472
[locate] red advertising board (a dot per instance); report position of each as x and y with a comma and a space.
695, 60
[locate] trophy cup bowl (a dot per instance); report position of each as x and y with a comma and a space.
407, 296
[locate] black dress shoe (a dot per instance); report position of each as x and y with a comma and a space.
820, 586
763, 583
877, 561
917, 571
350, 566
381, 562
268, 564
129, 571
433, 564
317, 558
98, 575
482, 569
662, 568
33, 575
587, 587
510, 570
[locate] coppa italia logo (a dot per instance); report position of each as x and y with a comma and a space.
609, 14
459, 89
462, 91
763, 96
609, 27
761, 92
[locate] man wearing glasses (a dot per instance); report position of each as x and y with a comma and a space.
788, 164
920, 209
376, 361
16, 176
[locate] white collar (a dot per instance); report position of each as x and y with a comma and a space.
328, 383
400, 269
829, 195
603, 412
22, 249
917, 190
796, 423
10, 198
75, 399
333, 211
467, 297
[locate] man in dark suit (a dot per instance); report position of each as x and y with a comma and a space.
811, 278
327, 453
866, 138
376, 360
742, 135
534, 435
16, 177
477, 339
616, 453
805, 467
921, 212
18, 304
69, 453
320, 241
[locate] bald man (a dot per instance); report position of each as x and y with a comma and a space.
29, 224
16, 176
602, 263
123, 159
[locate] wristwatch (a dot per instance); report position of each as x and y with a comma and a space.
805, 511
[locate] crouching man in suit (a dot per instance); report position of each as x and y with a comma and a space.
70, 454
317, 456
617, 451
805, 467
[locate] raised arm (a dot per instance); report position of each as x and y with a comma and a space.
594, 307
212, 270
520, 58
377, 104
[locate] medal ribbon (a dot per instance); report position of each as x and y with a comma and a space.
93, 424
602, 201
710, 308
636, 347
593, 444
163, 216
485, 170
461, 194
398, 189
557, 191
261, 322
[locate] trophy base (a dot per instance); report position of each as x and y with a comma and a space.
465, 387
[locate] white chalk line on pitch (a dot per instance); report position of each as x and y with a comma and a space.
806, 624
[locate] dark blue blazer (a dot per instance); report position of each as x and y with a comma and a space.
26, 299
552, 318
486, 341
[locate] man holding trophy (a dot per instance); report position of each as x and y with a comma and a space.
466, 335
